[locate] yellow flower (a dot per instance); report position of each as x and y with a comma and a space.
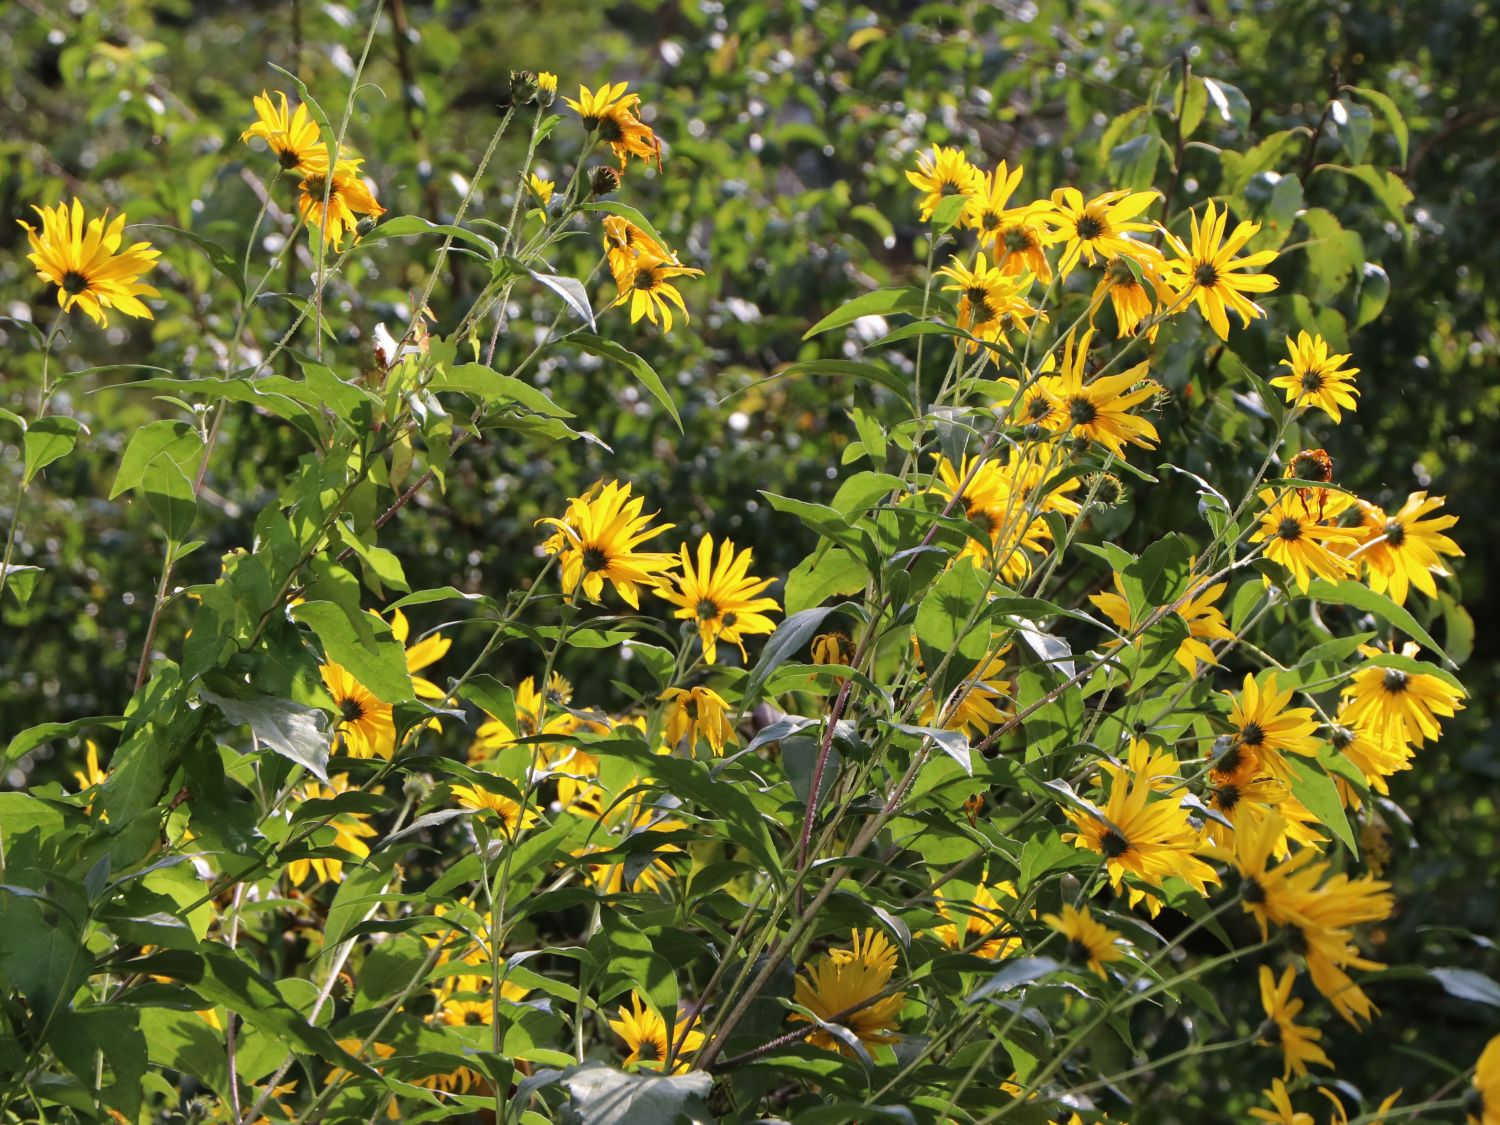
1486, 1111
983, 923
832, 648
1090, 942
624, 242
1316, 379
1150, 839
91, 774
84, 260
540, 188
1299, 1045
1400, 704
1340, 1117
721, 598
365, 726
1375, 750
494, 734
1265, 728
292, 136
511, 813
350, 832
990, 301
946, 172
348, 197
1208, 272
647, 285
1125, 281
698, 712
1098, 228
1281, 1112
979, 706
1406, 549
546, 82
646, 1034
1100, 410
464, 998
611, 111
1014, 236
597, 539
1205, 621
1300, 541
425, 652
994, 504
842, 988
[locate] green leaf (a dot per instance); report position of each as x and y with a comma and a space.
948, 211
1393, 119
1158, 577
292, 730
1467, 984
951, 742
791, 636
571, 290
80, 1035
941, 617
328, 390
48, 439
827, 522
364, 647
1374, 291
882, 302
852, 369
1351, 593
488, 386
1333, 254
29, 739
403, 226
1318, 793
601, 1095
218, 257
170, 438
21, 580
608, 349
827, 572
1190, 103
169, 495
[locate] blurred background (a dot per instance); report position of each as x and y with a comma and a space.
787, 128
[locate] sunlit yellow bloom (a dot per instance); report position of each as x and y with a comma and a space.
698, 712
981, 922
1316, 379
510, 813
1100, 410
366, 728
91, 774
541, 189
1249, 794
1374, 749
1013, 236
292, 136
1204, 620
611, 111
597, 539
1405, 549
82, 257
1011, 533
645, 1033
1150, 839
494, 734
648, 286
943, 173
632, 819
1297, 538
350, 832
722, 599
1098, 228
832, 648
1090, 942
348, 198
1208, 272
1400, 704
1134, 286
976, 706
1340, 1117
1264, 728
624, 242
1299, 1045
1486, 1087
424, 653
1281, 1112
989, 301
845, 979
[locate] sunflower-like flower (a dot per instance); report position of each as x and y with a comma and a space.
1014, 236
1281, 1111
1090, 942
349, 196
1250, 794
1134, 286
1314, 378
1299, 1045
423, 654
942, 173
82, 257
365, 728
1297, 538
981, 922
832, 648
722, 599
978, 705
646, 282
1149, 839
610, 111
1098, 228
646, 1034
541, 189
624, 242
990, 301
1011, 533
1209, 273
511, 814
1265, 727
1485, 1108
1406, 548
1376, 751
291, 135
92, 774
647, 864
1204, 620
350, 830
495, 734
1400, 704
697, 712
596, 539
1101, 410
843, 987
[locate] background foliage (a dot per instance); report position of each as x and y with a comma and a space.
788, 127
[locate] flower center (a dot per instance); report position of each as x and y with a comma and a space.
352, 710
648, 1051
1227, 797
990, 221
473, 1016
1340, 737
1038, 408
1252, 734
1205, 276
1081, 411
644, 280
1395, 534
1018, 239
1119, 273
1270, 1032
74, 283
1289, 529
289, 158
1251, 890
595, 559
1078, 952
610, 130
1091, 226
1394, 681
1113, 844
707, 610
1312, 380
